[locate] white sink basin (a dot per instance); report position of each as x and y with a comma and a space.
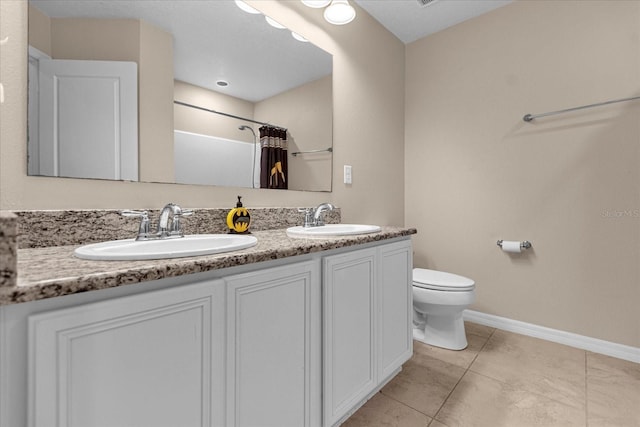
332, 230
191, 245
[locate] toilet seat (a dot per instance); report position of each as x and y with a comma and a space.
441, 281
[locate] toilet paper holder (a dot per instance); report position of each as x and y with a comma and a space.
523, 245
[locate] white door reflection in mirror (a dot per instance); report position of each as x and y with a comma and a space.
87, 119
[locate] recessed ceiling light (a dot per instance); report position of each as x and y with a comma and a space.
222, 83
242, 5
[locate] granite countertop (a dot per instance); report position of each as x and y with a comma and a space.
54, 271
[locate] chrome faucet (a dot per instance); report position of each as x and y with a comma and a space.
164, 231
313, 216
317, 215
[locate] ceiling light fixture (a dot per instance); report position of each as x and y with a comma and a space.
245, 7
339, 12
298, 37
316, 4
274, 23
242, 5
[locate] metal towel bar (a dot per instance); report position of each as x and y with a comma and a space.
530, 117
295, 153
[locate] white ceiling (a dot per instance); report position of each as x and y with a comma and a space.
410, 21
214, 39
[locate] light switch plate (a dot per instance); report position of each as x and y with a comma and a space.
347, 174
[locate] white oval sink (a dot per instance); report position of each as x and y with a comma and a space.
191, 245
332, 230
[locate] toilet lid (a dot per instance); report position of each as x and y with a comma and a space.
439, 280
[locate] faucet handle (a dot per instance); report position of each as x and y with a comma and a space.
176, 224
143, 230
129, 212
308, 216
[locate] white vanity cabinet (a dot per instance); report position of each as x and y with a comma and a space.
367, 315
395, 307
273, 347
152, 359
300, 341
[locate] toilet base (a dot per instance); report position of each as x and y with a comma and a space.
442, 331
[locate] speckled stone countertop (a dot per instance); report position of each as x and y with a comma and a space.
8, 249
53, 271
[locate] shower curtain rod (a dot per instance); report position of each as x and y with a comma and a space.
530, 117
226, 114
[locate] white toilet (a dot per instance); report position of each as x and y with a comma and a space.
438, 301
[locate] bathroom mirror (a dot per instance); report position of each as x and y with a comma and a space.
208, 54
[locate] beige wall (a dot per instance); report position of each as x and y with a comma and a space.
368, 83
476, 173
306, 111
155, 105
39, 30
95, 39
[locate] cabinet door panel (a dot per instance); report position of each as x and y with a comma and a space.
349, 331
396, 342
273, 346
144, 360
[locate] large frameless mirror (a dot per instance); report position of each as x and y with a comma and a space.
193, 92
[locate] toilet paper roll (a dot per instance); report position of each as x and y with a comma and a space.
511, 246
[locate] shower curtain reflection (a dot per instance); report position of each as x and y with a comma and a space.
273, 160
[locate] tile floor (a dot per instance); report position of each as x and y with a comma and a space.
506, 380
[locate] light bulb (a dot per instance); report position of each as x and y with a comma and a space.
242, 5
274, 23
299, 37
340, 12
316, 4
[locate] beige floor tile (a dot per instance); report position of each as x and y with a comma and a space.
613, 392
424, 383
462, 358
436, 423
480, 330
479, 401
543, 367
382, 411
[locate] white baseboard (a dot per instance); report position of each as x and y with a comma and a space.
595, 345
